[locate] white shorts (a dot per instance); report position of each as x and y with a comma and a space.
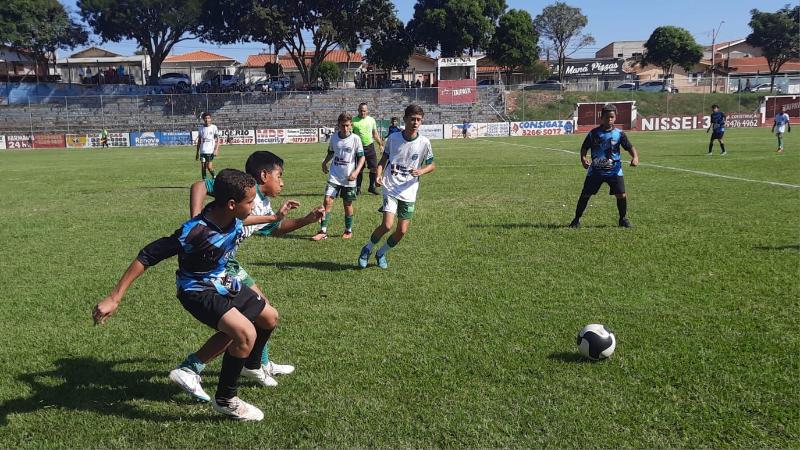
333, 190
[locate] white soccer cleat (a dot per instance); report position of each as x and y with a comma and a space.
260, 375
239, 409
189, 382
278, 369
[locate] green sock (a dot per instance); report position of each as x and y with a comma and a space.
324, 223
265, 355
213, 175
390, 243
780, 141
193, 363
348, 223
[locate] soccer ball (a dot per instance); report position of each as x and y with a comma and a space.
596, 342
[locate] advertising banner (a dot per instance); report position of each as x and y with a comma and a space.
451, 92
14, 141
494, 129
237, 137
2, 142
175, 138
77, 141
542, 128
456, 130
144, 139
114, 140
326, 132
593, 67
271, 136
432, 131
742, 120
49, 140
302, 135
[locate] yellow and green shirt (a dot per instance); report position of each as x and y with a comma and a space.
363, 128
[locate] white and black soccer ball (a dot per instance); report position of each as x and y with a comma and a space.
596, 342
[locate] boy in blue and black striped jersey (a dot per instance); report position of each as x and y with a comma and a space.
718, 127
204, 244
605, 166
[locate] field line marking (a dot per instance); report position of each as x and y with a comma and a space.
677, 169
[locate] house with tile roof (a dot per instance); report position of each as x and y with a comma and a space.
200, 65
350, 65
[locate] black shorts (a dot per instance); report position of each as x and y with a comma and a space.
372, 157
592, 184
206, 157
717, 134
209, 306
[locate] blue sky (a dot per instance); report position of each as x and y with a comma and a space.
608, 22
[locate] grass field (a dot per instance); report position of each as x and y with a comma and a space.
466, 341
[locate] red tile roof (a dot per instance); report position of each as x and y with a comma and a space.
199, 55
259, 60
336, 56
758, 65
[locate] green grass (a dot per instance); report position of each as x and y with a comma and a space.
533, 105
466, 341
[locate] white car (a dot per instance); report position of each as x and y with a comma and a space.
180, 80
657, 86
765, 87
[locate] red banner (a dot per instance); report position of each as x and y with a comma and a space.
457, 91
47, 140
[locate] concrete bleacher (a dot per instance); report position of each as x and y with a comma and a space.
249, 110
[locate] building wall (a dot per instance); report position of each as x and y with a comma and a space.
621, 49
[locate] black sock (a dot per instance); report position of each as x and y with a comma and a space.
372, 177
710, 146
359, 180
203, 171
583, 201
228, 377
622, 206
254, 360
723, 146
213, 175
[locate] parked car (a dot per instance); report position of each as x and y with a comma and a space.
657, 86
487, 82
626, 87
765, 87
173, 79
545, 85
222, 83
279, 83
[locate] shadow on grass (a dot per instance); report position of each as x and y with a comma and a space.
568, 357
165, 187
793, 247
87, 384
545, 226
325, 266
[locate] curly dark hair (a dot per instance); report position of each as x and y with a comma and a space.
232, 184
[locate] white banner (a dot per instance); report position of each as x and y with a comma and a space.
271, 136
2, 142
456, 130
432, 131
325, 133
236, 137
114, 140
542, 128
302, 135
494, 129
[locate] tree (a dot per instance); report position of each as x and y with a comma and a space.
391, 48
455, 26
307, 30
777, 36
562, 25
329, 72
514, 43
156, 25
38, 28
670, 46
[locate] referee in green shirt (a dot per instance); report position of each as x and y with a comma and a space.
366, 128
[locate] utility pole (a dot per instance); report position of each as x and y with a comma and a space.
714, 34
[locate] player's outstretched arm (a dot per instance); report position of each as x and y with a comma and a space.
108, 306
287, 206
197, 195
289, 225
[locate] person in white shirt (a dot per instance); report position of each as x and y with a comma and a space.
406, 157
346, 155
207, 145
782, 124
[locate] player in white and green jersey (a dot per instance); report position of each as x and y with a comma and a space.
406, 157
347, 156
